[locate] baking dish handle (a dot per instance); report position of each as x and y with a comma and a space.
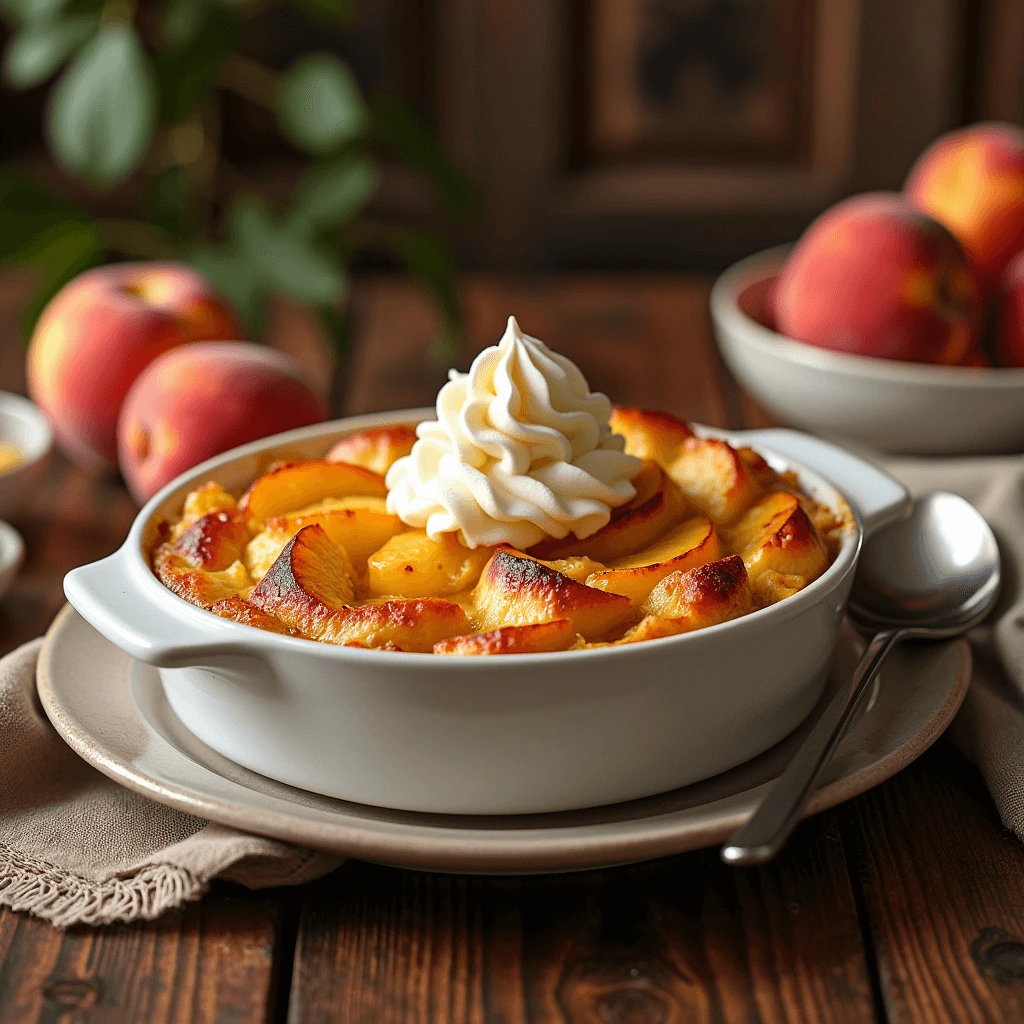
105, 594
876, 497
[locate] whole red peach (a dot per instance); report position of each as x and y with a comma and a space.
97, 335
199, 400
972, 180
874, 277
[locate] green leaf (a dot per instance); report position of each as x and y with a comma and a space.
22, 12
187, 72
169, 201
104, 107
40, 48
241, 288
182, 20
285, 260
332, 193
400, 127
319, 104
29, 213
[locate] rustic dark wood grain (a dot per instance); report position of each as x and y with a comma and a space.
644, 339
682, 939
208, 962
943, 887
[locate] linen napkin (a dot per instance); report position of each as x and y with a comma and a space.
77, 848
989, 729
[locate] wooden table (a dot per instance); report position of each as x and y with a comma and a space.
906, 904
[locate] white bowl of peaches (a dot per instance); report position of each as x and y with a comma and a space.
897, 320
532, 602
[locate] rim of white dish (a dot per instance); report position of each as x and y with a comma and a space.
12, 546
241, 635
762, 265
18, 407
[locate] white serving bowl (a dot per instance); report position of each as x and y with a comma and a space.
889, 406
498, 735
24, 425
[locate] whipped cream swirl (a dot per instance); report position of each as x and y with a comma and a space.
521, 450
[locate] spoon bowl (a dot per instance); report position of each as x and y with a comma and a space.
937, 570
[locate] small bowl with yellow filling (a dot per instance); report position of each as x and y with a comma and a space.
25, 443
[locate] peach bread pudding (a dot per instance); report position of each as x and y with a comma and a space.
531, 516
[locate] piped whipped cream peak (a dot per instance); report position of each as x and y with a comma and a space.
521, 450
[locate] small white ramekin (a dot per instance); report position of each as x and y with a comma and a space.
889, 406
486, 735
22, 423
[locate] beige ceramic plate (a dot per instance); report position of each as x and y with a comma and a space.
112, 711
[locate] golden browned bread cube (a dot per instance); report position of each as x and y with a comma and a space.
196, 585
536, 638
685, 601
210, 497
649, 434
713, 477
413, 565
776, 534
214, 541
657, 506
516, 590
400, 625
685, 546
296, 485
376, 448
237, 609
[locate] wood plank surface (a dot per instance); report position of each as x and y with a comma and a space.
943, 888
208, 962
681, 939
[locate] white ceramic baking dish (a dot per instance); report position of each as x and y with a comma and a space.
499, 735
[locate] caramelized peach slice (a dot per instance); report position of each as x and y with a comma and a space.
776, 534
577, 567
309, 578
713, 477
376, 448
656, 507
214, 541
295, 485
241, 611
517, 590
411, 564
536, 638
359, 529
692, 543
685, 601
196, 585
309, 588
650, 435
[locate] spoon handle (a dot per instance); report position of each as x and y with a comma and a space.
764, 834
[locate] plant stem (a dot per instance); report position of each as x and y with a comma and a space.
249, 79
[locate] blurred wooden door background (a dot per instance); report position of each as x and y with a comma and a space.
644, 133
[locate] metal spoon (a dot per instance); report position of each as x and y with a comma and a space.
932, 575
